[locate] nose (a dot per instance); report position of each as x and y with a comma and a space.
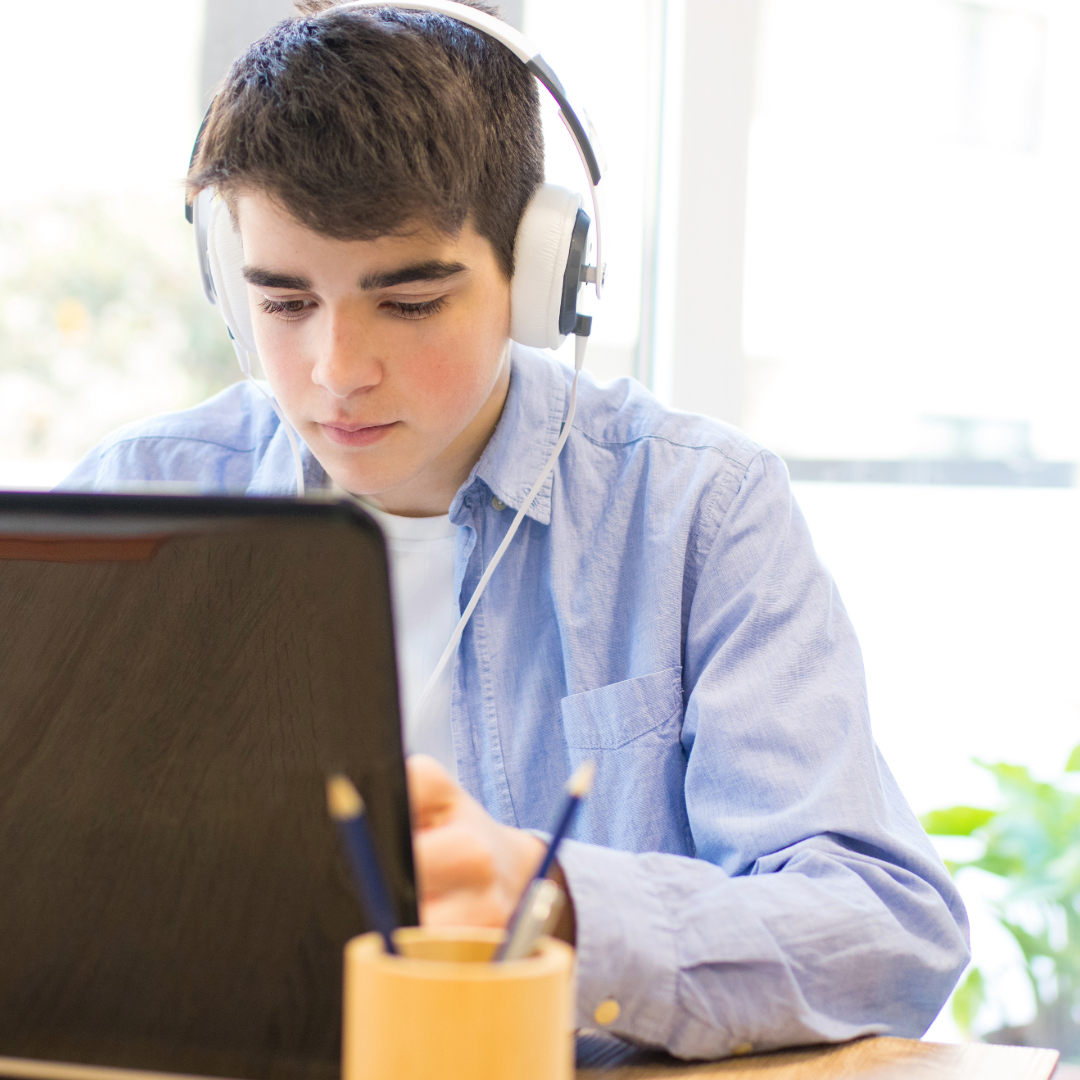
347, 360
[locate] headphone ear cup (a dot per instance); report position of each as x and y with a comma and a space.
541, 252
225, 254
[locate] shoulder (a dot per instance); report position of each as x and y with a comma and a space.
235, 420
623, 413
624, 431
217, 445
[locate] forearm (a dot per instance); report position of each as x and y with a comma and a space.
705, 965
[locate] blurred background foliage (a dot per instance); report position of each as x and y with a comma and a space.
102, 321
1031, 844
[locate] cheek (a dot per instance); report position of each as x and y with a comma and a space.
281, 352
452, 374
464, 358
445, 383
282, 372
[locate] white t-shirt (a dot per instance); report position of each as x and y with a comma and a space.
421, 554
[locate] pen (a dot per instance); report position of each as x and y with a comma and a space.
576, 790
347, 809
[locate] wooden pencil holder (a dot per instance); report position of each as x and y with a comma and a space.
442, 1009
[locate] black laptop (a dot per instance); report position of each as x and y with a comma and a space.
178, 676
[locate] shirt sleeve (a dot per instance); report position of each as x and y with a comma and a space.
219, 446
816, 909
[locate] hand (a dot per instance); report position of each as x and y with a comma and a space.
470, 870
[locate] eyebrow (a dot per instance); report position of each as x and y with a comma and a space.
432, 270
271, 279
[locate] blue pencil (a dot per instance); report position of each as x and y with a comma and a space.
347, 809
576, 790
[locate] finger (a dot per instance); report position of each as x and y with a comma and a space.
465, 909
432, 791
452, 858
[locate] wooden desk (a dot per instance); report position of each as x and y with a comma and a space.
867, 1059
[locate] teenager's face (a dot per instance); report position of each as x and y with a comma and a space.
389, 356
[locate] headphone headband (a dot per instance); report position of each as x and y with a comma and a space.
512, 38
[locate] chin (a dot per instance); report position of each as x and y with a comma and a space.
364, 481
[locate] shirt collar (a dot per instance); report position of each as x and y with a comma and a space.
524, 437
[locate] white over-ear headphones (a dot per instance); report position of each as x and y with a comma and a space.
550, 250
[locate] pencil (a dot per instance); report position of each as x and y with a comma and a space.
576, 790
347, 809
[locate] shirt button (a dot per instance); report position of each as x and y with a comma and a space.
498, 503
607, 1012
742, 1048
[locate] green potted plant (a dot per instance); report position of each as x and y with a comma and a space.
1032, 841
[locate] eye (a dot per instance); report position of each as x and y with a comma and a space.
286, 309
415, 311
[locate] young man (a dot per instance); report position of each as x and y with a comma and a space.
746, 873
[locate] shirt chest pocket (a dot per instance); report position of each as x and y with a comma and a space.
611, 717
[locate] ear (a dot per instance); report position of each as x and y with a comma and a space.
225, 254
542, 250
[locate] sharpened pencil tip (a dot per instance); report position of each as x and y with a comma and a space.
581, 782
342, 798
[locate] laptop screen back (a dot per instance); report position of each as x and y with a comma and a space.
177, 679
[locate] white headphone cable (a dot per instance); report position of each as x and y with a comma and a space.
580, 343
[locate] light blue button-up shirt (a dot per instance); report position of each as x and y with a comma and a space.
746, 872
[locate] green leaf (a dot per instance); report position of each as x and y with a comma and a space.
956, 820
1006, 866
967, 1000
1032, 842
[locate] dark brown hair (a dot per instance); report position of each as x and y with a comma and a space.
364, 122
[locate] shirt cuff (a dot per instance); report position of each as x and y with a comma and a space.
626, 948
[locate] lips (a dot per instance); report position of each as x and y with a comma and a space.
357, 434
